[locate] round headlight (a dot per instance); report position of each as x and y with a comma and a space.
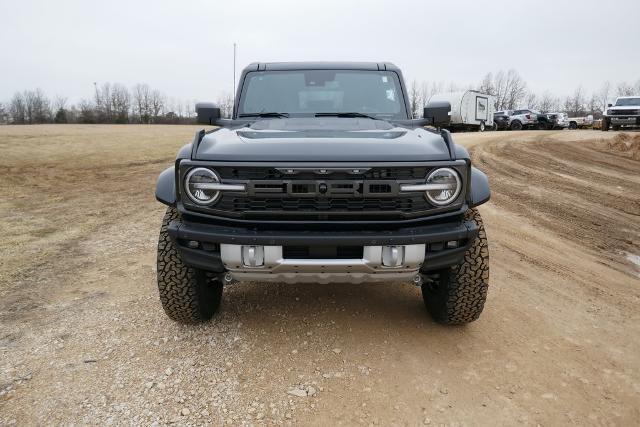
446, 186
197, 185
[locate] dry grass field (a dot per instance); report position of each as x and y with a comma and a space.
83, 339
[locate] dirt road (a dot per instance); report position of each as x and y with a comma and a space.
83, 339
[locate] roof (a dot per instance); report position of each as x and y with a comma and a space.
329, 65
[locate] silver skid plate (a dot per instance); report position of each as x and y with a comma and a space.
378, 263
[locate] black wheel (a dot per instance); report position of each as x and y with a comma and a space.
188, 295
516, 125
573, 125
494, 127
605, 125
615, 127
542, 126
482, 127
457, 295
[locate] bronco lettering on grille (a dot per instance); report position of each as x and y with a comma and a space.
324, 188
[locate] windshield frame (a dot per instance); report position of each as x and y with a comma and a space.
403, 114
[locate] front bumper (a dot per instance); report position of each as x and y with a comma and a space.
625, 120
201, 246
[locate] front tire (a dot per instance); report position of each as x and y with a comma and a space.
188, 295
605, 125
482, 127
573, 126
458, 294
516, 125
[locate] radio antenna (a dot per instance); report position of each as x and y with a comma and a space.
233, 90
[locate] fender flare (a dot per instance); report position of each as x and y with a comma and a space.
480, 192
166, 186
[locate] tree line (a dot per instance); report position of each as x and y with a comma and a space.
115, 103
111, 103
511, 93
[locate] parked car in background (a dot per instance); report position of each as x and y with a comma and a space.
523, 119
470, 109
625, 112
501, 120
557, 121
580, 122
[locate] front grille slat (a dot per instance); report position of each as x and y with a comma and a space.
267, 173
291, 204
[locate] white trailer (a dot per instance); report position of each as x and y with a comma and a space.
470, 109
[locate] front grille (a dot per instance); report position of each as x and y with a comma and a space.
313, 193
625, 112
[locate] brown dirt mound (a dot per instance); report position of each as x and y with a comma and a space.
624, 143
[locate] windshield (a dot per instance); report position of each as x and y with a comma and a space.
307, 92
623, 102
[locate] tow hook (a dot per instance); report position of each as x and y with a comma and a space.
228, 279
417, 280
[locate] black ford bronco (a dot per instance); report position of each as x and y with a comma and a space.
322, 175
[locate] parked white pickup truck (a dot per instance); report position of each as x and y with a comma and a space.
625, 112
580, 122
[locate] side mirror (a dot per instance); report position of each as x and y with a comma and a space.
609, 105
438, 113
208, 113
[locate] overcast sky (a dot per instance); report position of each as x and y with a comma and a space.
184, 48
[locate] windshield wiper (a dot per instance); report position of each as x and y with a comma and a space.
347, 114
271, 114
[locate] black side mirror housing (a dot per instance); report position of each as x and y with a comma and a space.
208, 113
438, 113
609, 105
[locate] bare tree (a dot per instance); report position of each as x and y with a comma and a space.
575, 104
60, 110
18, 109
120, 102
3, 114
414, 99
104, 111
487, 86
594, 107
548, 103
87, 112
531, 101
515, 89
625, 89
157, 101
604, 94
142, 102
225, 102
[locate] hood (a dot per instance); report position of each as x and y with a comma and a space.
329, 139
624, 107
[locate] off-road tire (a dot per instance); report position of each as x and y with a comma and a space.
458, 295
616, 127
516, 125
188, 295
482, 127
573, 126
605, 125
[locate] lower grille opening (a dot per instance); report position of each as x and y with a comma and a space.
322, 252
